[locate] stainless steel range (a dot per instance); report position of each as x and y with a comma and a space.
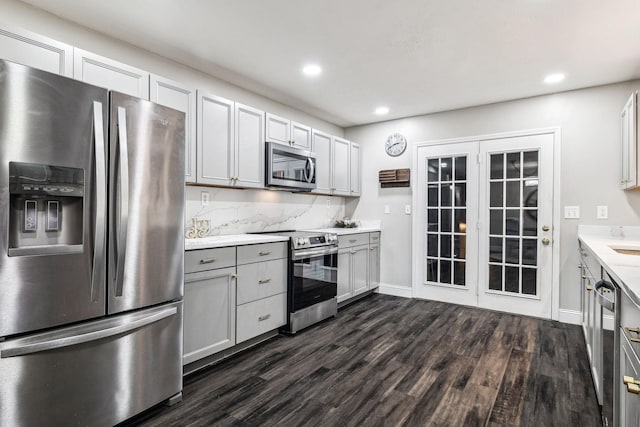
312, 278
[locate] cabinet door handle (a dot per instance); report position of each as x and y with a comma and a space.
589, 288
265, 317
353, 252
629, 331
633, 386
264, 253
580, 266
234, 276
262, 281
207, 260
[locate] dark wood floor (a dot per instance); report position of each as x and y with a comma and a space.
395, 361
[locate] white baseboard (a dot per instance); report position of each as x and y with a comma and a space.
395, 290
574, 317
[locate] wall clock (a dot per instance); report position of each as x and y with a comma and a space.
395, 145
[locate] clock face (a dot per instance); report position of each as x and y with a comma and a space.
395, 145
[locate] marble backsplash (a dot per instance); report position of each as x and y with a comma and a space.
232, 211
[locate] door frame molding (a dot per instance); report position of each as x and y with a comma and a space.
416, 241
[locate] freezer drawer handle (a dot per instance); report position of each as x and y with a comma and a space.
101, 202
22, 350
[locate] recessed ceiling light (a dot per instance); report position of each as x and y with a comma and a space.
382, 110
312, 70
554, 78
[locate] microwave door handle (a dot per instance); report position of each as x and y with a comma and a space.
123, 211
101, 201
304, 170
312, 169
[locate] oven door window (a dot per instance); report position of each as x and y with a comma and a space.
315, 279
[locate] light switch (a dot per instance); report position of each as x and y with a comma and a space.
204, 198
407, 209
387, 209
571, 212
602, 212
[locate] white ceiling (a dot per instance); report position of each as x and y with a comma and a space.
414, 56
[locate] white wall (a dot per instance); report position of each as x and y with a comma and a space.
253, 210
590, 168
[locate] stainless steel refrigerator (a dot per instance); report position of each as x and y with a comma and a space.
91, 251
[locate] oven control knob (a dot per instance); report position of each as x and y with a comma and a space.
301, 241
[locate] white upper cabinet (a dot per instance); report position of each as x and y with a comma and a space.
182, 98
340, 150
321, 146
249, 147
230, 143
630, 158
34, 50
284, 131
216, 138
354, 170
100, 71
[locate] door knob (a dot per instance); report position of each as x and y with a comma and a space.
546, 228
545, 241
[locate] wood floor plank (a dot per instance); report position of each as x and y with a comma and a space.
388, 361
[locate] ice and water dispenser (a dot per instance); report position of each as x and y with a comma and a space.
46, 209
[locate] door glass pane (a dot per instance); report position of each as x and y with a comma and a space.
445, 195
513, 242
432, 170
459, 273
530, 164
511, 279
446, 227
495, 277
461, 168
495, 195
529, 281
513, 165
446, 168
497, 166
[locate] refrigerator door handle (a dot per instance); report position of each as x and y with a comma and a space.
101, 202
77, 338
123, 214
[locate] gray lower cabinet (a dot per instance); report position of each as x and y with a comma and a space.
358, 264
630, 373
231, 295
209, 313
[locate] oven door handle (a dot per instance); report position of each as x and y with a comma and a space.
311, 253
602, 299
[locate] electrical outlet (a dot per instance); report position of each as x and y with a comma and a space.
571, 212
602, 212
387, 209
407, 209
204, 198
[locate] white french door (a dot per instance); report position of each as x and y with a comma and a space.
485, 213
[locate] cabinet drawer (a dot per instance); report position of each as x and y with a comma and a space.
261, 252
261, 279
374, 237
208, 259
592, 265
348, 240
260, 316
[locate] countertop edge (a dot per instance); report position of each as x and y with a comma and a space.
226, 241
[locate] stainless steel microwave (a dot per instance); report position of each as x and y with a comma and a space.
290, 168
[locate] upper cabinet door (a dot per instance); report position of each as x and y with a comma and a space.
249, 147
354, 171
321, 145
300, 136
278, 129
182, 98
215, 140
100, 71
340, 166
629, 120
33, 50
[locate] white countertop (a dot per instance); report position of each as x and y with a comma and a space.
624, 269
230, 240
343, 231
